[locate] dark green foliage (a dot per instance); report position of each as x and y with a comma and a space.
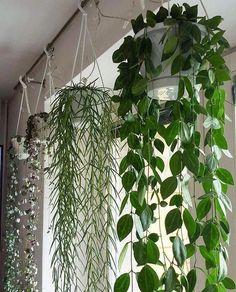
192, 47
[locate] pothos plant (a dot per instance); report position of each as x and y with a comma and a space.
83, 195
12, 239
192, 47
30, 195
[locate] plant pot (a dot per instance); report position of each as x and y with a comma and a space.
18, 143
37, 127
165, 86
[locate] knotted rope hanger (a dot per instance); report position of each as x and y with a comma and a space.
84, 31
25, 97
47, 71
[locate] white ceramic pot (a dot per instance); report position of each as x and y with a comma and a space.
165, 86
19, 147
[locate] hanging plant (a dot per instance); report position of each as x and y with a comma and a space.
188, 56
18, 143
37, 127
83, 197
12, 239
30, 193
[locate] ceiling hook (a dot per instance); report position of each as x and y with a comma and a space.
22, 82
81, 8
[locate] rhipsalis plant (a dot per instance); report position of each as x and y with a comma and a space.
12, 238
192, 47
83, 196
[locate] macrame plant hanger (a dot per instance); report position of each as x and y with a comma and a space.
84, 32
47, 72
25, 97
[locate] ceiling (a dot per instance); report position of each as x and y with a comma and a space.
27, 26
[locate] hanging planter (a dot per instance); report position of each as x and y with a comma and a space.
18, 143
165, 84
191, 51
37, 127
82, 147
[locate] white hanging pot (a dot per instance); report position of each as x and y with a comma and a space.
81, 101
18, 143
37, 127
165, 86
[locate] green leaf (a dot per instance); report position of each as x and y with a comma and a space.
138, 23
122, 255
123, 165
203, 208
176, 165
225, 176
139, 87
171, 132
143, 105
181, 88
128, 180
220, 140
185, 190
185, 133
146, 280
208, 256
124, 226
122, 283
147, 151
173, 220
151, 18
189, 222
222, 75
170, 45
179, 251
170, 280
177, 64
222, 270
133, 141
168, 186
138, 225
124, 202
146, 218
216, 59
161, 14
214, 22
154, 237
229, 283
211, 122
192, 279
212, 161
191, 161
191, 250
152, 252
159, 145
211, 235
140, 252
211, 288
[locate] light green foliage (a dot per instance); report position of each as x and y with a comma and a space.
84, 196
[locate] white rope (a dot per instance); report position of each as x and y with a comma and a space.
44, 76
204, 8
168, 8
83, 47
95, 56
162, 1
20, 110
23, 96
78, 46
84, 31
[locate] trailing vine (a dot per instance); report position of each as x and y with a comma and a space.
30, 193
191, 47
83, 196
12, 239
